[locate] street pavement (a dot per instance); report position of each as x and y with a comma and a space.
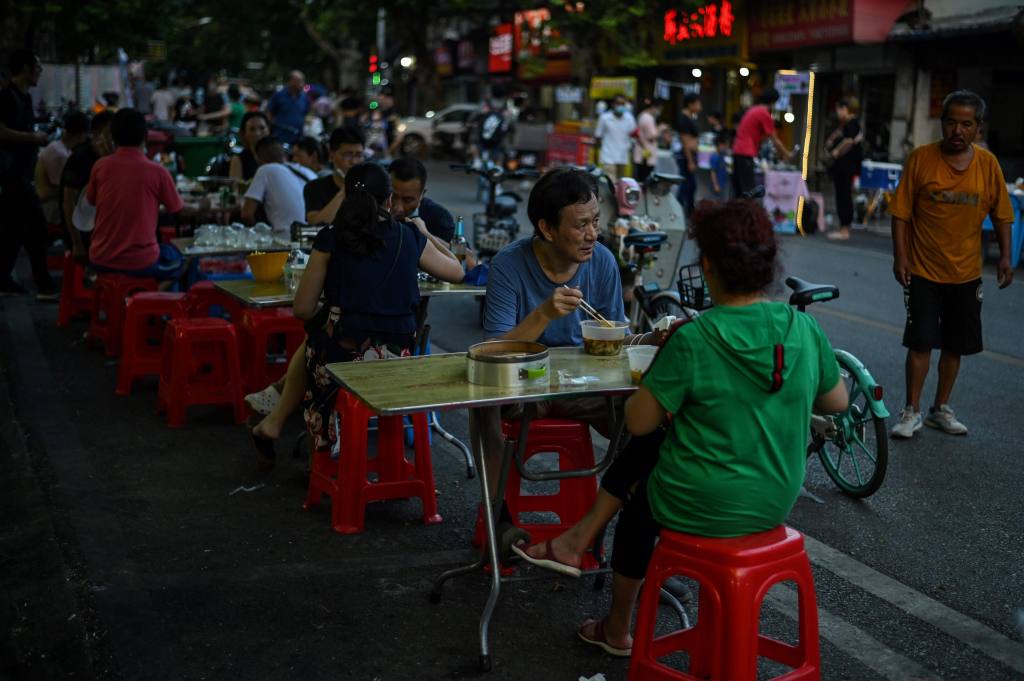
129, 550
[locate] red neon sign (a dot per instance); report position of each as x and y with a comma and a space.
710, 21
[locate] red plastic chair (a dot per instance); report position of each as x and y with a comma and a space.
108, 308
734, 576
145, 316
200, 366
263, 362
571, 441
204, 298
75, 298
346, 480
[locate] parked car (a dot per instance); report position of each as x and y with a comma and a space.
444, 132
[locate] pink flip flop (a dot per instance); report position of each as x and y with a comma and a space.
548, 561
600, 640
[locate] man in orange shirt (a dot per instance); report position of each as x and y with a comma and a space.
947, 189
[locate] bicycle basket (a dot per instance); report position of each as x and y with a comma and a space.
693, 289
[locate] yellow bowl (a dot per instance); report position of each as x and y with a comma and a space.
267, 266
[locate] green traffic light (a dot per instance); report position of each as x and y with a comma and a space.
376, 78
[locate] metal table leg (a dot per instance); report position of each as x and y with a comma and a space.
435, 425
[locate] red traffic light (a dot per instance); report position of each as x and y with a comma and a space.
373, 63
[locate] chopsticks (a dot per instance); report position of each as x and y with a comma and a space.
588, 308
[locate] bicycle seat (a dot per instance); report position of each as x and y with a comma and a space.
645, 239
805, 293
655, 178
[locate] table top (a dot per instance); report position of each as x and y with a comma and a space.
276, 293
416, 384
184, 244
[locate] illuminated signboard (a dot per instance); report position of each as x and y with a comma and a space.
713, 20
500, 57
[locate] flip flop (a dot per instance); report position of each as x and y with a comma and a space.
600, 640
265, 454
548, 561
838, 236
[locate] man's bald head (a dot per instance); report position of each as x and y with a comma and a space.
296, 80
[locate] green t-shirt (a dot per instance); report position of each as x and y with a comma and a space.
735, 457
235, 117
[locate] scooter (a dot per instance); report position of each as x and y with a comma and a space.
497, 226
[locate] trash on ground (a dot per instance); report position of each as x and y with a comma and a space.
244, 488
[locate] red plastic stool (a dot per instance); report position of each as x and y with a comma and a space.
203, 296
258, 329
345, 480
571, 441
200, 366
75, 298
142, 339
108, 308
734, 576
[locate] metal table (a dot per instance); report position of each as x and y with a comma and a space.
438, 382
184, 244
260, 294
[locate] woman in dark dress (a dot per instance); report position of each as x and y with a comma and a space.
844, 149
365, 266
255, 126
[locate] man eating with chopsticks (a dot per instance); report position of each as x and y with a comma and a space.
539, 289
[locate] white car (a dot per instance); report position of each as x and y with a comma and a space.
443, 131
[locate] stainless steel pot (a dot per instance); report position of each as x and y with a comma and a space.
508, 364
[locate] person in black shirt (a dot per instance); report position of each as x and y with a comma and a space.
409, 179
323, 196
75, 177
844, 155
687, 159
255, 126
21, 212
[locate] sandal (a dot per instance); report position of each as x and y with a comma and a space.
600, 640
548, 561
265, 454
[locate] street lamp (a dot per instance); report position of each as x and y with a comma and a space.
789, 117
407, 62
744, 71
697, 73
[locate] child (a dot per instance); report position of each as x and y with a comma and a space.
719, 170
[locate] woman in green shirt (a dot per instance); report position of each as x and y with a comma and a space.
720, 420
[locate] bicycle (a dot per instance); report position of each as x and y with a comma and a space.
497, 226
852, 445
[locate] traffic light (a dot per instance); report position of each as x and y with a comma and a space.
374, 70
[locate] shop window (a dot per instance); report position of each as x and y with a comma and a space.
877, 92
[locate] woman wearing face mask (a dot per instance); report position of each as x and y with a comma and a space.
645, 152
255, 126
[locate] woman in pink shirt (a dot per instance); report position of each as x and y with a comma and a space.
755, 126
645, 151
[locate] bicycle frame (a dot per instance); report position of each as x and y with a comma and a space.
865, 379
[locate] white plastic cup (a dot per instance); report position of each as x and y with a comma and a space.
640, 358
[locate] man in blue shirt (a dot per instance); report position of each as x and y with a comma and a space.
534, 290
287, 109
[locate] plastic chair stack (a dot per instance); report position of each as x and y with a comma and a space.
346, 480
200, 366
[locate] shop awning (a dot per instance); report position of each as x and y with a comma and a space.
926, 28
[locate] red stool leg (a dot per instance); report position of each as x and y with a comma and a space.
348, 506
424, 467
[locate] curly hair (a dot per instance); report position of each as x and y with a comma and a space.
738, 239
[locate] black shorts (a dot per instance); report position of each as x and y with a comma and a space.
943, 316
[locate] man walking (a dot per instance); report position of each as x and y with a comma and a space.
947, 189
614, 129
21, 213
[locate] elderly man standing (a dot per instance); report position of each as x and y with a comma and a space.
946, 190
614, 130
288, 108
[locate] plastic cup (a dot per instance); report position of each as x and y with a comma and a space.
640, 358
603, 340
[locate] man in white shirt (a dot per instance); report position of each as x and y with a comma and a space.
614, 129
162, 102
278, 186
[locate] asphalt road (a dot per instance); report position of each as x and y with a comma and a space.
129, 550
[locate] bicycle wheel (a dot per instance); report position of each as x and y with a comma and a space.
856, 454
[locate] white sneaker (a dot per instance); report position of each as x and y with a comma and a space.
944, 419
264, 401
909, 423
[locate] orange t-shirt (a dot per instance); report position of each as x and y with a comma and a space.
945, 208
